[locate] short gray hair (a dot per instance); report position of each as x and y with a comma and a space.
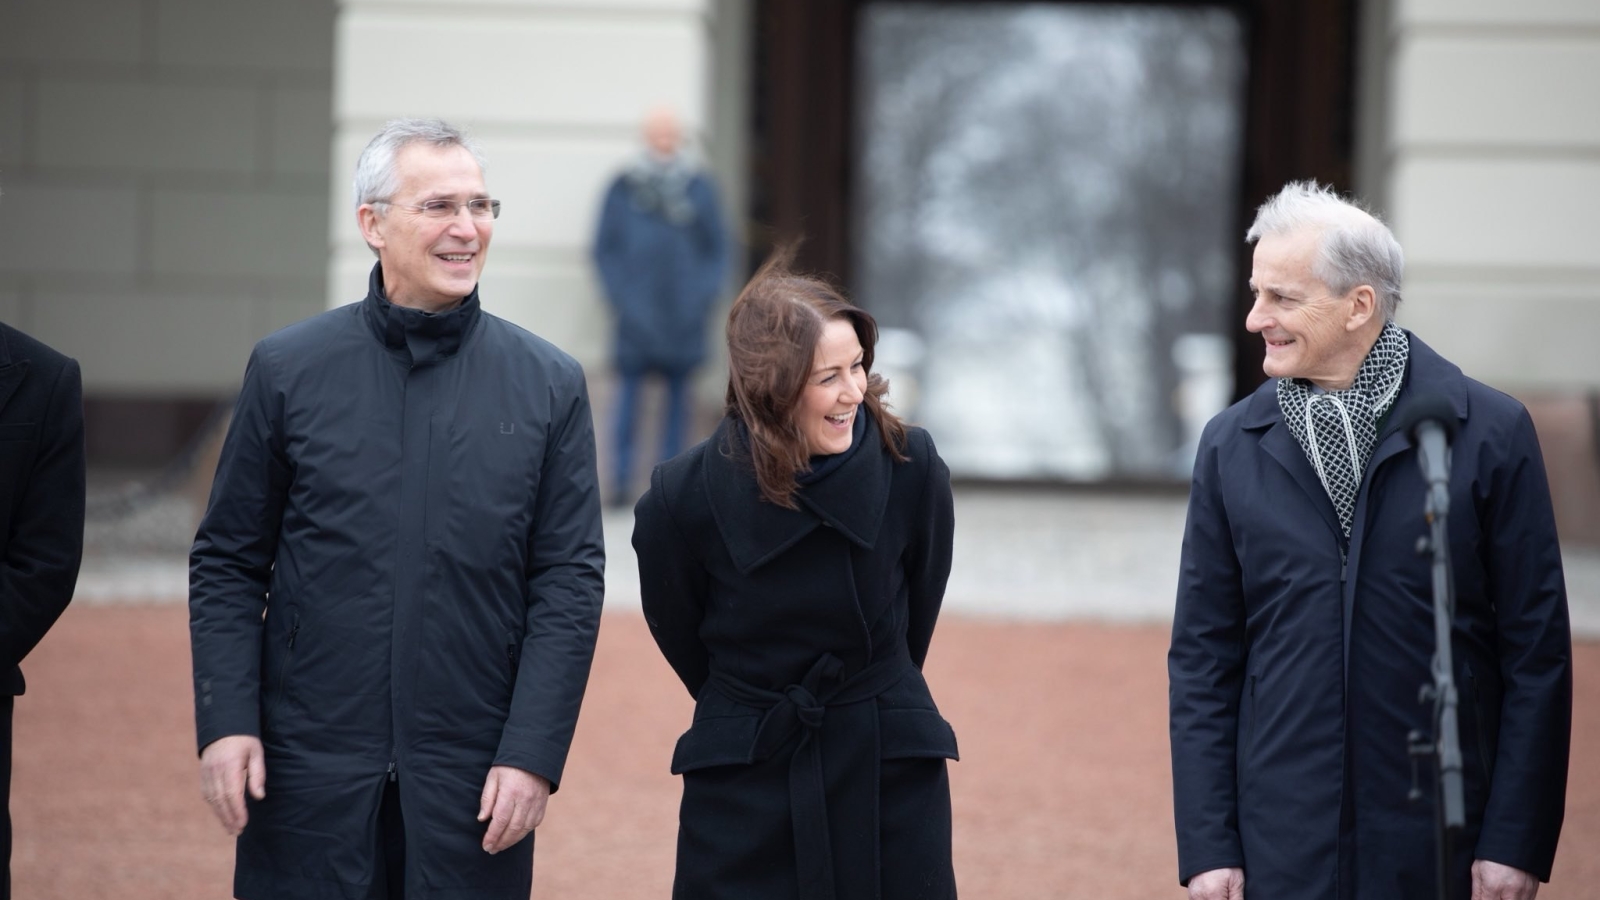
375, 176
1356, 247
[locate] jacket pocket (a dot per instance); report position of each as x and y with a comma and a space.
1480, 725
282, 679
915, 734
716, 741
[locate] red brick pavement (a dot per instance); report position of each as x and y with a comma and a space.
1062, 792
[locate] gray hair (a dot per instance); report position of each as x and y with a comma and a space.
1356, 247
376, 181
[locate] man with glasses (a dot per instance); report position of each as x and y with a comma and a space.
396, 588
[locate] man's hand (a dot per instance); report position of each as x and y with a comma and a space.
227, 766
1220, 884
1494, 881
513, 805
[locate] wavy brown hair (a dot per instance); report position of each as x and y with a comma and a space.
773, 331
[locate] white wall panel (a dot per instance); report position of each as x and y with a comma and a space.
63, 31
1498, 12
153, 127
556, 302
1506, 91
1497, 212
1510, 335
552, 188
553, 72
69, 229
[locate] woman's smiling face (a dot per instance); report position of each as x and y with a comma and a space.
834, 390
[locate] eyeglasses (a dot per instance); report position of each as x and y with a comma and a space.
478, 208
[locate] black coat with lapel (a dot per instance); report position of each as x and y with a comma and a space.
41, 494
762, 610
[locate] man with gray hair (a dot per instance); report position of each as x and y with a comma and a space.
395, 591
1304, 624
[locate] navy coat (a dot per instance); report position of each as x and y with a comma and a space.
1295, 674
816, 758
411, 501
661, 279
41, 495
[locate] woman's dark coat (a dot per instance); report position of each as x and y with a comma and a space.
41, 495
1295, 677
660, 278
411, 500
801, 634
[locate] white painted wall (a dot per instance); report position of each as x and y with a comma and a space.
164, 165
554, 91
1481, 139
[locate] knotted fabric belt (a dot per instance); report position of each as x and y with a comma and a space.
800, 709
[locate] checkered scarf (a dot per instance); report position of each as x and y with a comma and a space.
1337, 429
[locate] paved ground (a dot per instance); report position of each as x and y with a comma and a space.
1059, 603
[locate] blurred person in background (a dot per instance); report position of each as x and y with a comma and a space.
662, 253
792, 568
1304, 625
41, 519
408, 494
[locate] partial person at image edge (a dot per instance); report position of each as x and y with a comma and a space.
41, 519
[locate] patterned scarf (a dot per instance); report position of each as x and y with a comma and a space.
1338, 429
661, 187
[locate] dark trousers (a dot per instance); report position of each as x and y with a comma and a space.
7, 704
673, 426
389, 882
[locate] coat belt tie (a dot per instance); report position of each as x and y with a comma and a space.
800, 709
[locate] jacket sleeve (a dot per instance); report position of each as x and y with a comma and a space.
230, 565
1522, 820
672, 587
928, 562
566, 581
1205, 667
45, 546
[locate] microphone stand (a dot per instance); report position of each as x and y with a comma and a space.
1450, 808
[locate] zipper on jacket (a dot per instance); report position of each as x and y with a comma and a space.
294, 630
394, 768
1344, 564
511, 655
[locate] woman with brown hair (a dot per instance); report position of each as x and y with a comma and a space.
791, 569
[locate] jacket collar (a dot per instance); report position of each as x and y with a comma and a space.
11, 373
423, 337
850, 500
1427, 373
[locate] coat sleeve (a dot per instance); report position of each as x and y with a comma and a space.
566, 582
610, 245
40, 568
928, 562
1205, 666
1522, 820
673, 587
230, 565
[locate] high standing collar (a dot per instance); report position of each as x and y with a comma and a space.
851, 499
424, 337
